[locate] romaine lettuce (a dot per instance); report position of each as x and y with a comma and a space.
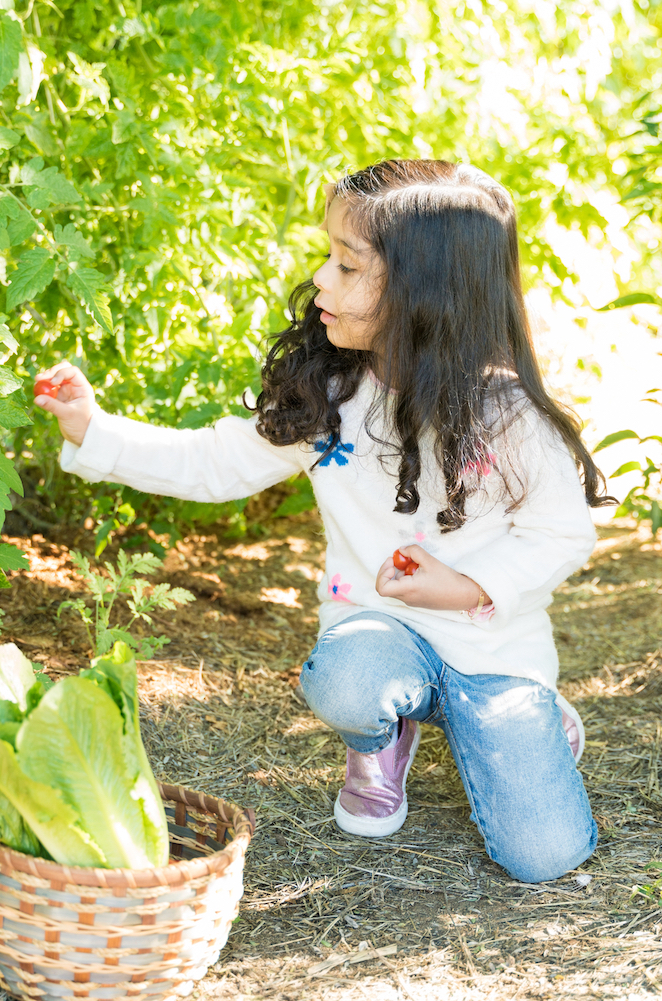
80, 779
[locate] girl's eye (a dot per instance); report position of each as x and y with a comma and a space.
341, 267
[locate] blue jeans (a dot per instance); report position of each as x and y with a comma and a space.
506, 734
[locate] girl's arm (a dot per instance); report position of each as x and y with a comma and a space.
550, 536
224, 462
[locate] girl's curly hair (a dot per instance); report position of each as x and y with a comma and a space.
451, 335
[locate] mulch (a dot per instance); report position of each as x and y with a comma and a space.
424, 914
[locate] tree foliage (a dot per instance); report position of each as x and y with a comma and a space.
161, 167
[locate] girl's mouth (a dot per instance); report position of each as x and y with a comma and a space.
325, 317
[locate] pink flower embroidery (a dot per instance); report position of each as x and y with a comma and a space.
339, 591
483, 466
419, 537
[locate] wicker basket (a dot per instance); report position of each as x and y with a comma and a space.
68, 932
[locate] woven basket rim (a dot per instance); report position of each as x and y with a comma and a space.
172, 874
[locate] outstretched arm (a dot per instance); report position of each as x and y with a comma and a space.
225, 462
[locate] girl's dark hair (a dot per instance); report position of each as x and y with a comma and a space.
451, 335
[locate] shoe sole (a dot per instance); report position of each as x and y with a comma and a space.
377, 827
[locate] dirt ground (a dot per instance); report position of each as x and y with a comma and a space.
221, 714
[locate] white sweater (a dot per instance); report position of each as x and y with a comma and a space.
517, 558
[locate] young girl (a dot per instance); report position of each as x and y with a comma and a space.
407, 388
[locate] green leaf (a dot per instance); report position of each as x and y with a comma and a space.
8, 138
90, 286
11, 558
72, 238
34, 273
9, 381
42, 139
611, 439
21, 228
15, 833
54, 184
8, 732
10, 712
39, 199
627, 467
12, 416
201, 415
11, 43
656, 517
631, 300
44, 812
302, 500
42, 678
101, 538
7, 338
9, 475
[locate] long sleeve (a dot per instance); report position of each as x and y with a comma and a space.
225, 462
551, 535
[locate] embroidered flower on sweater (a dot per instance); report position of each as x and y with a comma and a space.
338, 590
337, 453
482, 465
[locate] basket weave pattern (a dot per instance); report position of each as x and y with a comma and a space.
146, 934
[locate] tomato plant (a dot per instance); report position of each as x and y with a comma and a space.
161, 164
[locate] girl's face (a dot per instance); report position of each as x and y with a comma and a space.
349, 282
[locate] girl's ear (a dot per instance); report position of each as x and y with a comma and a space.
328, 193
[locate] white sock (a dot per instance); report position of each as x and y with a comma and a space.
394, 738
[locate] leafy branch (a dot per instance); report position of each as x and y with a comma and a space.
144, 599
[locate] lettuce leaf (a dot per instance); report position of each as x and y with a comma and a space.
115, 673
15, 833
80, 781
74, 742
37, 811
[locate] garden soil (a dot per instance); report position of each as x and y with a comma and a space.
424, 914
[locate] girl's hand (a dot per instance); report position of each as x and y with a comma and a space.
74, 402
433, 585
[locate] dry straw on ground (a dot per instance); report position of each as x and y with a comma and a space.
424, 914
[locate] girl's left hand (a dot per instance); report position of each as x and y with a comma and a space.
434, 585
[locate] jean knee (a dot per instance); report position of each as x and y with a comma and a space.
331, 692
547, 858
340, 678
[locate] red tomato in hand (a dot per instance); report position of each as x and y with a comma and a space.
401, 561
44, 387
411, 568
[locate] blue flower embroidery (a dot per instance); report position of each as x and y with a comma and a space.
336, 454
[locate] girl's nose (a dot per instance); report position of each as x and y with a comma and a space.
317, 279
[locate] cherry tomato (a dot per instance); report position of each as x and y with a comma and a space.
44, 387
401, 561
411, 568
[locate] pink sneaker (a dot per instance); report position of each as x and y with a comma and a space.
373, 802
573, 726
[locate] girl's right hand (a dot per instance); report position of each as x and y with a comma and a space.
74, 403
